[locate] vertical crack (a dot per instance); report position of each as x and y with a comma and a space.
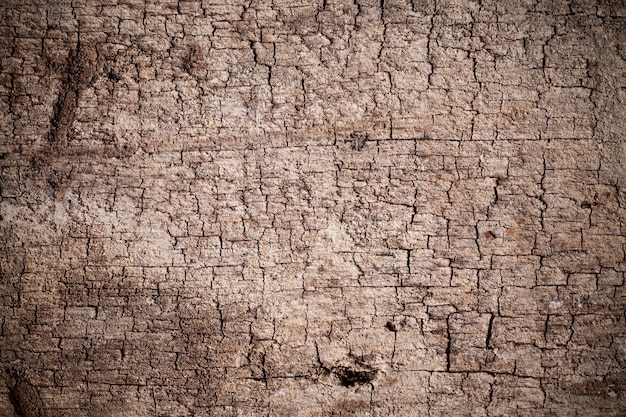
489, 330
449, 345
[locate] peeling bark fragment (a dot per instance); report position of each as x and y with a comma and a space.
79, 72
350, 377
358, 141
23, 396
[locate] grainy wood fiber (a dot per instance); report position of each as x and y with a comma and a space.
290, 208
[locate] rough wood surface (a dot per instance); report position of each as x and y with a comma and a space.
289, 208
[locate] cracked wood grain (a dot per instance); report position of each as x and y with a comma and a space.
380, 208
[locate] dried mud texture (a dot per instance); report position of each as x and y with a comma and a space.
253, 208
